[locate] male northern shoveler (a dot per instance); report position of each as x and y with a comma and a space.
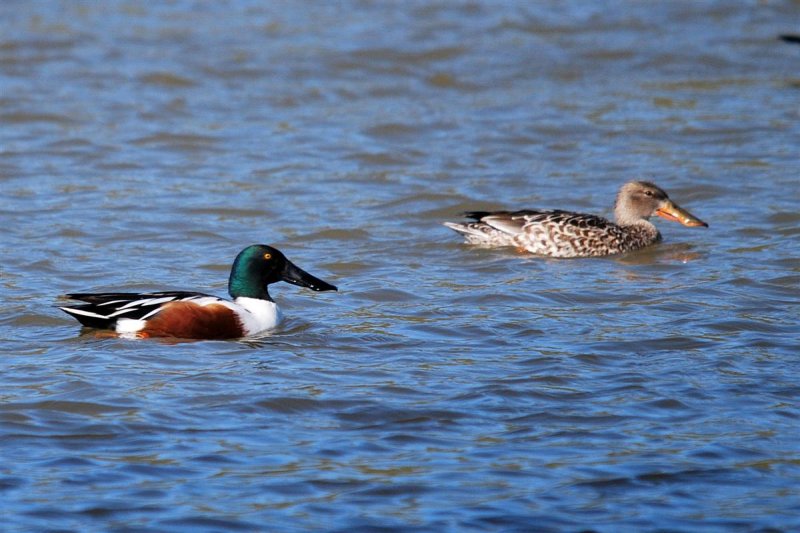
193, 315
565, 234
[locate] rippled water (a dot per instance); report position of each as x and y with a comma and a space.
445, 387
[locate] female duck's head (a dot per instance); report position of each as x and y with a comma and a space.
639, 200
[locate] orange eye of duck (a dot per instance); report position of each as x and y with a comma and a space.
267, 256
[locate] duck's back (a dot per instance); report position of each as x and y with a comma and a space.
555, 233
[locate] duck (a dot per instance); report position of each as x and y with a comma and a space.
566, 234
196, 315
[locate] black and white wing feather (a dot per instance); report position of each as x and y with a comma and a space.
102, 310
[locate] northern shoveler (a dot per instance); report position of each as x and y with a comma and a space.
194, 315
558, 233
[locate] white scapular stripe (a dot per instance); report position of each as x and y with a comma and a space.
81, 312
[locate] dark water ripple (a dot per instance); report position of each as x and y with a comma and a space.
444, 387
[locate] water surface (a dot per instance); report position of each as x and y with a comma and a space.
444, 387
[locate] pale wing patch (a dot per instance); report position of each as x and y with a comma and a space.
506, 224
147, 301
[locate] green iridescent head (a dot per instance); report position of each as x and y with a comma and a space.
259, 265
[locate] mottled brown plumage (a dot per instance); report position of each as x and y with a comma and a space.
557, 233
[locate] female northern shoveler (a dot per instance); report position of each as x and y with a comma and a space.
564, 234
193, 315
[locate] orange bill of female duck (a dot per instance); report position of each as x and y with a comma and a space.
557, 233
195, 315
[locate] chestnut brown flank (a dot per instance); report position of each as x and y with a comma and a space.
187, 320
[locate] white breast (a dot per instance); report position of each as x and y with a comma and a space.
257, 315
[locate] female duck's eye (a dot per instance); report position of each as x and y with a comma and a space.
648, 193
268, 256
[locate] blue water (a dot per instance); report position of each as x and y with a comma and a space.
444, 387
